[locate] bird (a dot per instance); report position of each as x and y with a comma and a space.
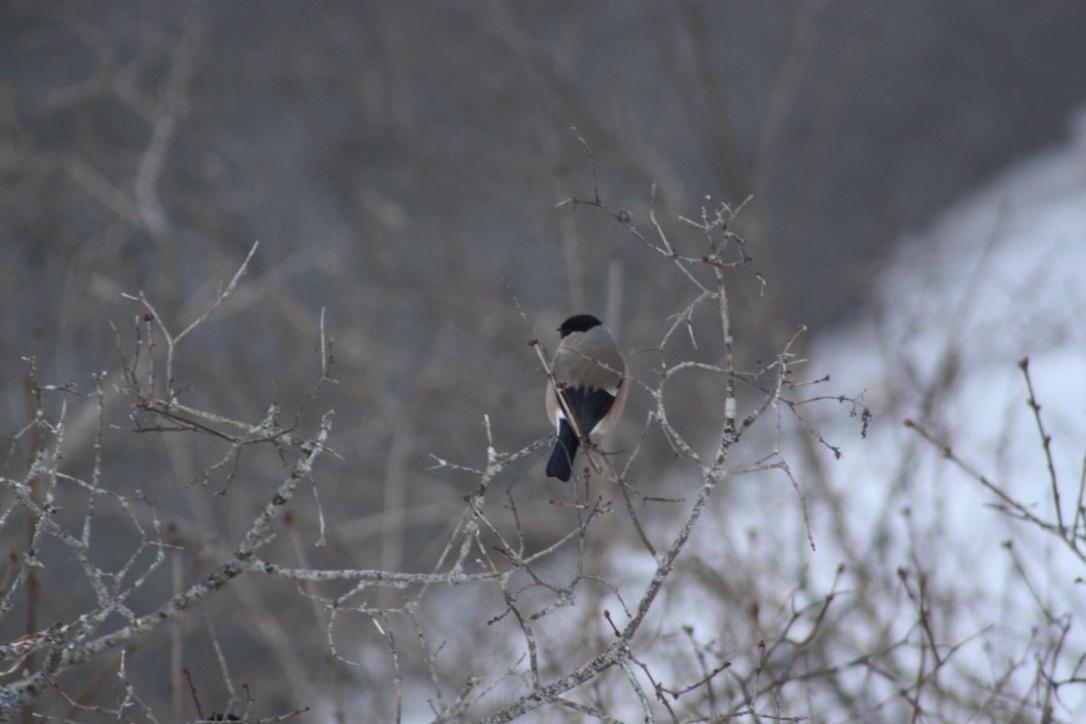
590, 373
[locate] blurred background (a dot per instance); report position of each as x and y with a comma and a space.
400, 164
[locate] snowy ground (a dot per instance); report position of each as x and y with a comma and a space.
999, 277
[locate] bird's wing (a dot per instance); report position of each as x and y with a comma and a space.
589, 406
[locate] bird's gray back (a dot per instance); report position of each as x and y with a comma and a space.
590, 359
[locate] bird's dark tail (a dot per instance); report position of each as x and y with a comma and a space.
565, 448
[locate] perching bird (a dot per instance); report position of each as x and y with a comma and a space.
590, 374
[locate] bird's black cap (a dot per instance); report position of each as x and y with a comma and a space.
578, 323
